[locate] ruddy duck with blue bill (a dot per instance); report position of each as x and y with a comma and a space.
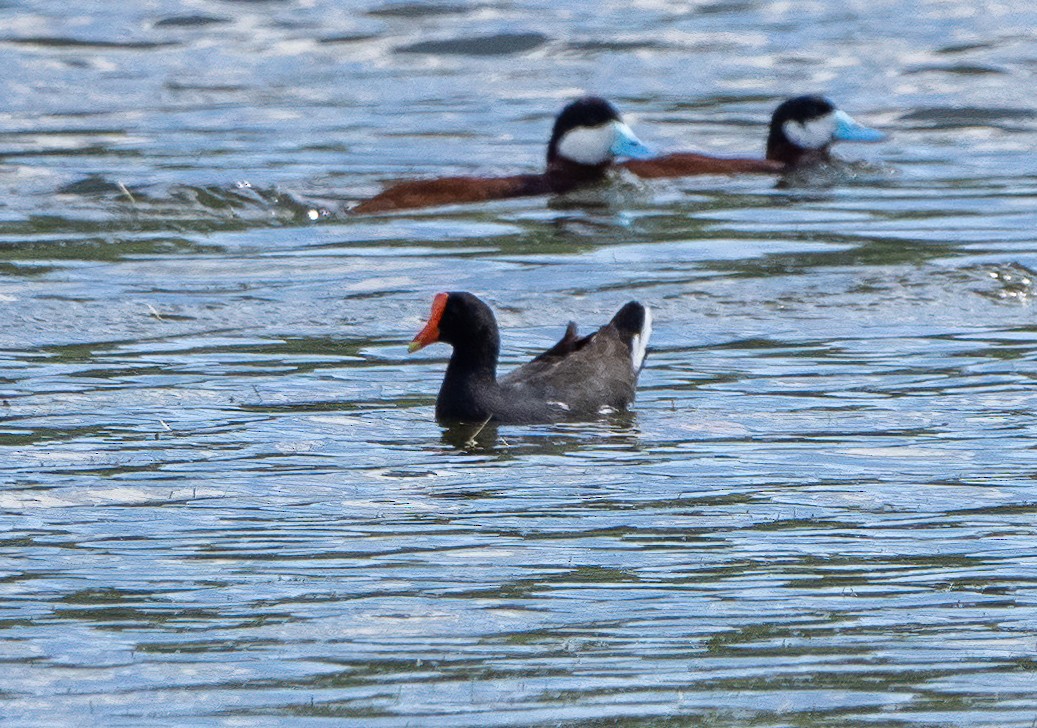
802, 131
588, 136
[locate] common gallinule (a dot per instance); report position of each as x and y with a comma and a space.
578, 378
802, 130
588, 135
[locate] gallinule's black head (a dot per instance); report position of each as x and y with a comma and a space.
590, 131
577, 378
463, 321
806, 126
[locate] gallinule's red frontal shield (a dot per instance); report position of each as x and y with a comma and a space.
430, 334
578, 378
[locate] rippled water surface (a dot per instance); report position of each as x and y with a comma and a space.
223, 498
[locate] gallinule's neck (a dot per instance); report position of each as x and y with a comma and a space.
469, 385
473, 360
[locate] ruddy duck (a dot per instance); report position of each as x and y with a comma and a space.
802, 130
587, 137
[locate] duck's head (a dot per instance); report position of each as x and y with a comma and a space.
809, 125
590, 131
460, 319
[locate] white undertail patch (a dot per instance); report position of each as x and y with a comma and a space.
588, 144
639, 342
813, 134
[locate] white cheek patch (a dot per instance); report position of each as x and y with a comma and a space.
588, 144
813, 134
639, 342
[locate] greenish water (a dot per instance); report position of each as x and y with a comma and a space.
223, 498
